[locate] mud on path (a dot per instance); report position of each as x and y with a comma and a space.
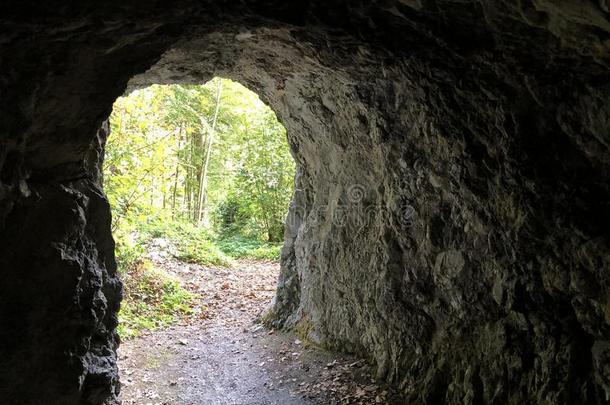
221, 356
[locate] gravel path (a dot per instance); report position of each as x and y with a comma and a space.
221, 356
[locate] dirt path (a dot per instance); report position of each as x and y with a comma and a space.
222, 357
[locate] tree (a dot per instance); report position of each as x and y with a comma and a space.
178, 152
204, 175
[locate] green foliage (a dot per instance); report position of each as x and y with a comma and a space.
153, 299
193, 244
128, 247
241, 248
263, 185
204, 252
156, 153
229, 216
154, 172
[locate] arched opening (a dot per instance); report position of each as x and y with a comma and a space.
204, 169
199, 178
485, 121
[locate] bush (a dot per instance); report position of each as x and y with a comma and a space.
193, 244
240, 247
129, 247
153, 299
202, 251
228, 216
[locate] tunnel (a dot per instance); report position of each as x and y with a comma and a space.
451, 208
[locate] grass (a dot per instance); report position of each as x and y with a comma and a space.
195, 245
200, 250
243, 248
153, 299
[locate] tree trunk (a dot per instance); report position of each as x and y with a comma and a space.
176, 173
206, 162
188, 184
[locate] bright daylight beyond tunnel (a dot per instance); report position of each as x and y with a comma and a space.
199, 178
200, 172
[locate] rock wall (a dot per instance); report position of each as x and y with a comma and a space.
451, 207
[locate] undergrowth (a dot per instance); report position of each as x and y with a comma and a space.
243, 248
193, 244
153, 298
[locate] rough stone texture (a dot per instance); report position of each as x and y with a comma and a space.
451, 212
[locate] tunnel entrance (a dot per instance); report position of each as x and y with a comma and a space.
199, 178
205, 170
486, 120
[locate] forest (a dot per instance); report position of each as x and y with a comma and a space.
205, 168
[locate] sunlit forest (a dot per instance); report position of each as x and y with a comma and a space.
205, 169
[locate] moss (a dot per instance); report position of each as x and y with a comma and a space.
303, 330
266, 318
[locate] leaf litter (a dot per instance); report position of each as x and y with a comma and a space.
219, 355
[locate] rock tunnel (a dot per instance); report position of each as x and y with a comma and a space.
451, 209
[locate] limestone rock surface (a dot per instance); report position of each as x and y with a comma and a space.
451, 209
